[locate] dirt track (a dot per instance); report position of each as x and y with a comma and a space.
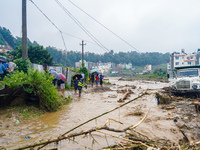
159, 124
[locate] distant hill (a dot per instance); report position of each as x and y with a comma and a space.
6, 36
69, 59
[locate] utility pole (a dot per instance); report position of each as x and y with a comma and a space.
82, 44
24, 31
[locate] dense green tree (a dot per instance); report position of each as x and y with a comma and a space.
36, 54
2, 41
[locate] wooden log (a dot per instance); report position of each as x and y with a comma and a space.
124, 96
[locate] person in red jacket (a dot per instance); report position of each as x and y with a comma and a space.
97, 79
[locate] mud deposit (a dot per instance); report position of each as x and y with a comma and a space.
159, 124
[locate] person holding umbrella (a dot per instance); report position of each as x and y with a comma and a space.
56, 76
62, 82
97, 80
76, 79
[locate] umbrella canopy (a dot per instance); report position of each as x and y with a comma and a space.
56, 75
3, 58
92, 71
96, 72
62, 77
79, 76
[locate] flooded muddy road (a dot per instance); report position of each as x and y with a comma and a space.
158, 124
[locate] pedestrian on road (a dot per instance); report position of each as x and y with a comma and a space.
62, 87
80, 86
75, 85
97, 80
92, 78
101, 81
2, 70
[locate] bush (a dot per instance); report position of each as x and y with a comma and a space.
39, 84
22, 64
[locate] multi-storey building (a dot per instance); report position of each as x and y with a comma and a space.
183, 59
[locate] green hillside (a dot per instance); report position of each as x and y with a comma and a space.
137, 59
2, 41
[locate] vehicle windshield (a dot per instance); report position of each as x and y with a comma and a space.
188, 73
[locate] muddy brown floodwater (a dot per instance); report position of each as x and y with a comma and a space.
157, 125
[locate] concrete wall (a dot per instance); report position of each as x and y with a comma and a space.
63, 70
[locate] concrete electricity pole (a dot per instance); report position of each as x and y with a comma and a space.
82, 44
24, 31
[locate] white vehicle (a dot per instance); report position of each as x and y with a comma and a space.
186, 79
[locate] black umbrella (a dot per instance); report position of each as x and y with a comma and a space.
96, 72
79, 76
3, 58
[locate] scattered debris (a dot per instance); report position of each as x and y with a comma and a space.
17, 122
99, 89
128, 92
121, 91
112, 96
163, 98
27, 138
137, 111
169, 107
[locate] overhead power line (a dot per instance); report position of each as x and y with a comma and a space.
61, 32
79, 38
81, 25
51, 22
104, 26
85, 30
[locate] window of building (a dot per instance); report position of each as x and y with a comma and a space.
177, 58
191, 57
182, 57
177, 63
182, 63
189, 63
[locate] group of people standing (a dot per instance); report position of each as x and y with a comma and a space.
97, 79
78, 83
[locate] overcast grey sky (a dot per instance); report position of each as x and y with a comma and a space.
148, 25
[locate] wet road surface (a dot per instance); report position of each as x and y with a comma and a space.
91, 104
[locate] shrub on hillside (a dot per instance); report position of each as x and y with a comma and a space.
39, 84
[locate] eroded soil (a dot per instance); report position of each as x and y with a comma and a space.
159, 124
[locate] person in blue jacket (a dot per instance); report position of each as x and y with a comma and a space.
101, 80
75, 85
2, 71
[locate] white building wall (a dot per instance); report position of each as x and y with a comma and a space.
181, 60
